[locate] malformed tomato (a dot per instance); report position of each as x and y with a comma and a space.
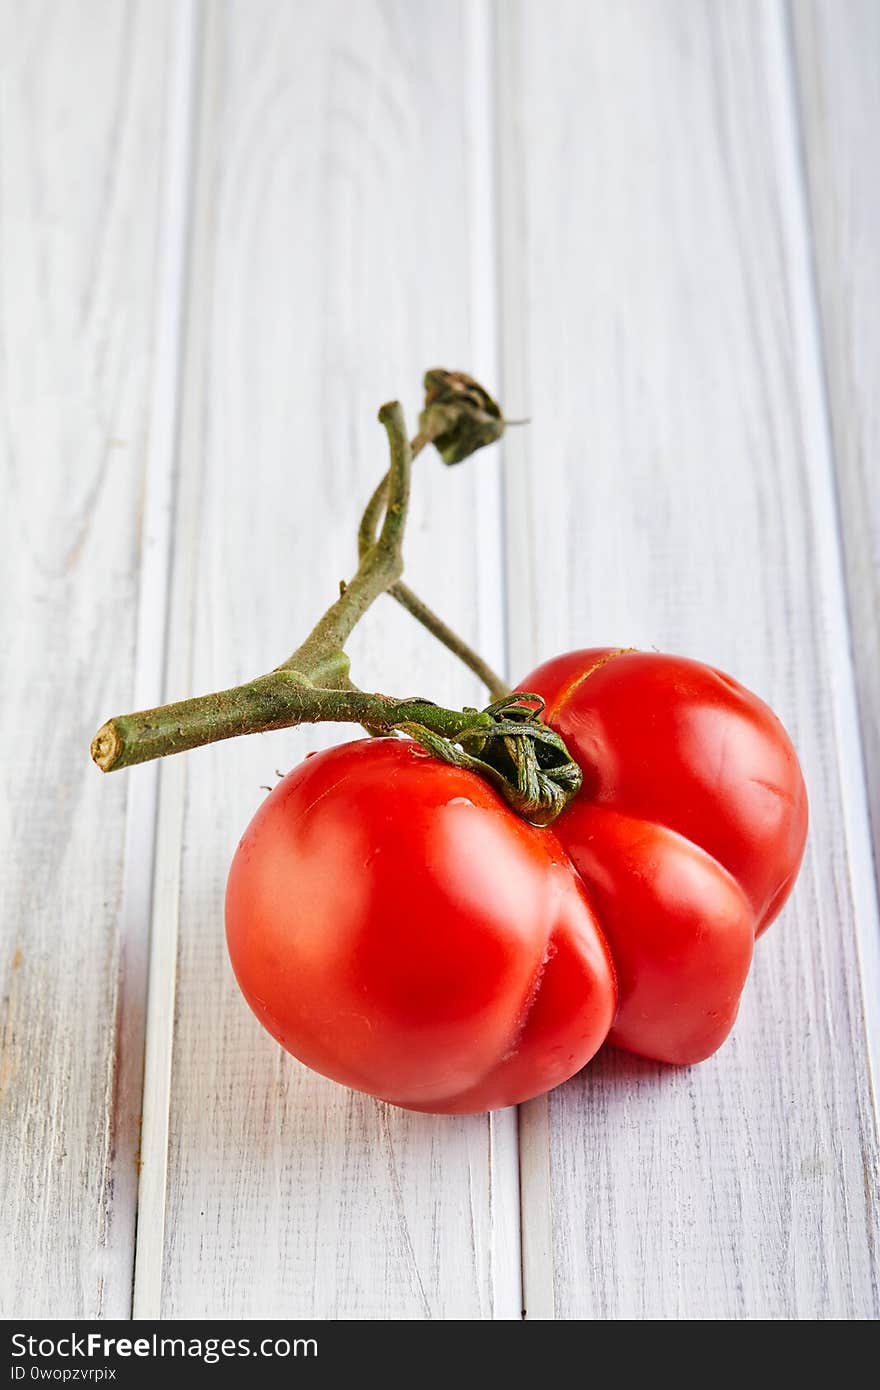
688, 833
397, 927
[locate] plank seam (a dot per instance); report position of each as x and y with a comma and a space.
533, 1156
161, 524
506, 1235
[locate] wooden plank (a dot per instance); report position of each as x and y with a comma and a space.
837, 49
675, 489
157, 880
335, 223
82, 96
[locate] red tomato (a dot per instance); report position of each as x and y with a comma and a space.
688, 833
395, 926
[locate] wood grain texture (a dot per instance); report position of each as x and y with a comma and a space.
81, 151
332, 261
837, 49
660, 330
198, 320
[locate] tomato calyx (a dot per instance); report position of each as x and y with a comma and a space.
459, 415
508, 745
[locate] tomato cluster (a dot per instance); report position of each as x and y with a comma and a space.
397, 927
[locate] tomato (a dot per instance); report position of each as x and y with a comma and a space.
398, 928
688, 833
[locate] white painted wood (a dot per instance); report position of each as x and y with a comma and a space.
480, 166
81, 150
659, 314
837, 48
336, 237
159, 810
682, 262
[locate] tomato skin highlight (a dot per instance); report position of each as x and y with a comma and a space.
397, 928
688, 833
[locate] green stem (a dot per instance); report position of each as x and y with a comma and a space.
410, 600
276, 701
428, 618
314, 684
297, 691
376, 504
320, 656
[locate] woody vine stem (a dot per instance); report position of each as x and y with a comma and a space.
506, 743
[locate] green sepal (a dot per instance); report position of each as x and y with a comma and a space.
522, 758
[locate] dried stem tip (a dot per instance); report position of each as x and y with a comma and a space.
106, 746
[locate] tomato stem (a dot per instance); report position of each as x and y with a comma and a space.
380, 566
410, 600
278, 700
506, 743
496, 687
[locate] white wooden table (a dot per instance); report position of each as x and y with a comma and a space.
228, 230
